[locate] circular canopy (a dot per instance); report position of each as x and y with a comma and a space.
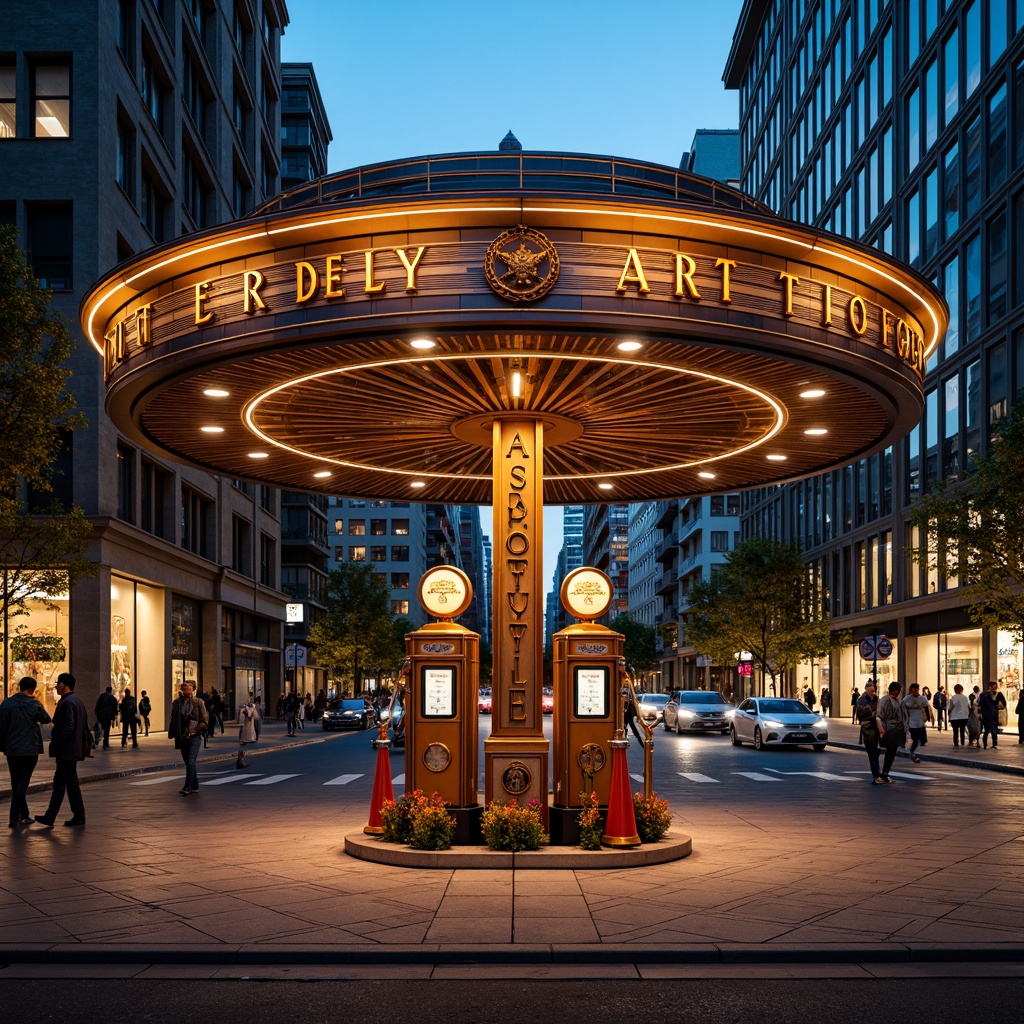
360, 336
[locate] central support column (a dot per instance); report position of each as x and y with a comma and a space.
516, 752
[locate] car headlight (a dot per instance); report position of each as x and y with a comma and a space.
731, 713
773, 725
683, 713
820, 724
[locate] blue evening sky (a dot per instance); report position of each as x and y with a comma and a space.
411, 77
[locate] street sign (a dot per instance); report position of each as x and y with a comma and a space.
883, 645
295, 655
867, 648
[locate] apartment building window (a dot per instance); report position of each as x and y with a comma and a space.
152, 90
49, 233
719, 540
195, 191
124, 29
154, 486
195, 522
240, 29
339, 554
931, 438
199, 18
973, 290
154, 208
268, 559
193, 94
400, 553
998, 269
378, 527
240, 192
268, 174
972, 412
241, 545
400, 527
125, 484
951, 426
8, 100
239, 112
51, 101
997, 384
951, 57
399, 581
399, 607
357, 553
125, 158
378, 553
998, 139
357, 527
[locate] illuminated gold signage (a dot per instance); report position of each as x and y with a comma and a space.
445, 592
586, 593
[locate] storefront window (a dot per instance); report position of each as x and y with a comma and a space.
185, 643
945, 659
137, 642
1009, 662
40, 646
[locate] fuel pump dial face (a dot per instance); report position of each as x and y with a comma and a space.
586, 593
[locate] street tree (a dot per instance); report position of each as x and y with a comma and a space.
43, 544
356, 615
764, 601
386, 649
640, 647
973, 531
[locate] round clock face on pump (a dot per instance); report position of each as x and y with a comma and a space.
445, 592
586, 593
437, 757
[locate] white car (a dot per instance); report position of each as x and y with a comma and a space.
777, 721
651, 707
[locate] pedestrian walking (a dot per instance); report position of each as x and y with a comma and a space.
145, 710
973, 728
187, 726
809, 698
919, 713
940, 702
21, 742
892, 725
219, 708
129, 719
826, 701
290, 712
1019, 712
855, 697
300, 713
248, 729
67, 747
106, 712
959, 712
990, 703
629, 715
867, 715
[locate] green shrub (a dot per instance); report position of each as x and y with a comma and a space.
652, 817
511, 827
397, 817
433, 828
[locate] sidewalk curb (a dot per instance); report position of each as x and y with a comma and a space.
960, 762
504, 954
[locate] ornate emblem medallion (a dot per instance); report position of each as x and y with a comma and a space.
521, 264
591, 757
516, 778
437, 757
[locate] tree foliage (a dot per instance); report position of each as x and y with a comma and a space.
974, 527
40, 553
762, 601
640, 648
357, 621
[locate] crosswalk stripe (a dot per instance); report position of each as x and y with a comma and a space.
271, 779
697, 777
907, 775
827, 776
758, 777
398, 780
637, 778
941, 773
156, 781
228, 778
343, 780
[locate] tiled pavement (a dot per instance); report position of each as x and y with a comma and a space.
875, 897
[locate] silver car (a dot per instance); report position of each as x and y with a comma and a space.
651, 707
698, 711
774, 721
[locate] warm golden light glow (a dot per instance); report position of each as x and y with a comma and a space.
418, 483
216, 393
705, 475
629, 346
212, 430
605, 486
422, 343
517, 384
259, 455
813, 393
816, 431
323, 474
776, 458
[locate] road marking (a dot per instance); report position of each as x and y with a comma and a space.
827, 776
343, 780
156, 782
908, 775
398, 780
227, 779
639, 778
696, 777
758, 777
271, 779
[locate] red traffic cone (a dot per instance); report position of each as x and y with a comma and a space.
620, 821
382, 785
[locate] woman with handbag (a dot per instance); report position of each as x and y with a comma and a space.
189, 723
248, 728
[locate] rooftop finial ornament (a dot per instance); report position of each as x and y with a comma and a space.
510, 143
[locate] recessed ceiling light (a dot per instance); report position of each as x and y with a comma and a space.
629, 346
212, 430
705, 475
605, 487
813, 393
323, 474
259, 455
216, 393
418, 483
816, 431
423, 343
776, 458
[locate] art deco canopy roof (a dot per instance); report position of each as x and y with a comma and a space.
359, 335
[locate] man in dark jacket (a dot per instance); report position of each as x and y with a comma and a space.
129, 719
990, 703
67, 747
22, 743
106, 712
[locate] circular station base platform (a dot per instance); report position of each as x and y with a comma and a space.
674, 846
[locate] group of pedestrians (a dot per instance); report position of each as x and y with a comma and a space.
132, 712
297, 711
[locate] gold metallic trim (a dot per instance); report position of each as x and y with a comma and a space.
436, 753
516, 778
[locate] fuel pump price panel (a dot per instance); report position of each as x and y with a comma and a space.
437, 692
590, 692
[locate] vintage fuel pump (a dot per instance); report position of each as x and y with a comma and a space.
588, 675
441, 702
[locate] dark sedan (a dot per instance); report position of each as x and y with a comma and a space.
349, 714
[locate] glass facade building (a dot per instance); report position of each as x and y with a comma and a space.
900, 124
